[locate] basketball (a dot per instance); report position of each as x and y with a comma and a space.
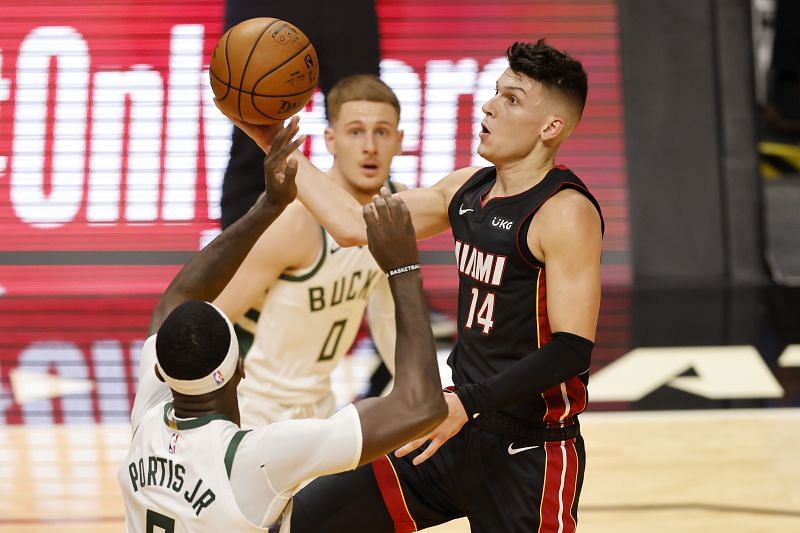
263, 70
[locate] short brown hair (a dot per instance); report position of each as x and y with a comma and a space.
359, 87
552, 68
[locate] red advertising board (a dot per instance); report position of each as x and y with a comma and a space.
112, 153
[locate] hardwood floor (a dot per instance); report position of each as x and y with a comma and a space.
677, 471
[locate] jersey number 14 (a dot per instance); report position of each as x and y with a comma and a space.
484, 314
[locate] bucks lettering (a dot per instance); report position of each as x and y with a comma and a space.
479, 265
342, 290
163, 472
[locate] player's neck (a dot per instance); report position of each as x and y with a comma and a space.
207, 404
361, 197
517, 176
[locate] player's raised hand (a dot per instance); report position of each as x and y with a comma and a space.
389, 232
280, 168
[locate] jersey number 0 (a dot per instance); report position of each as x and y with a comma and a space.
332, 341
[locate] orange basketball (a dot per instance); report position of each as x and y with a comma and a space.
263, 70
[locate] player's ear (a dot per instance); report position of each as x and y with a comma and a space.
552, 129
399, 148
158, 373
329, 136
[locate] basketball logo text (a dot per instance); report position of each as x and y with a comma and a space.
287, 106
309, 61
285, 34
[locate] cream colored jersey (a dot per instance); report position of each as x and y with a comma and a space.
305, 324
206, 475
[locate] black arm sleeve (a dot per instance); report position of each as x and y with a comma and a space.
566, 355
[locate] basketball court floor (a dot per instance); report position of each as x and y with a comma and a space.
693, 421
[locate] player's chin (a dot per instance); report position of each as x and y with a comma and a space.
485, 151
370, 185
372, 177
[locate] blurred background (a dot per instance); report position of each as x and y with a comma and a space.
112, 157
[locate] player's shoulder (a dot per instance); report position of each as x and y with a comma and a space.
292, 240
451, 183
569, 199
571, 205
297, 215
464, 173
295, 225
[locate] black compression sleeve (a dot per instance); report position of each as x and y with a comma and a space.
566, 355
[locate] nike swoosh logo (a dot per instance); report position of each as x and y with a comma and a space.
461, 210
514, 451
336, 249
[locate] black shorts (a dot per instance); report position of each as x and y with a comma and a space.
499, 484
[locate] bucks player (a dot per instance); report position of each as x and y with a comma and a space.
299, 298
189, 466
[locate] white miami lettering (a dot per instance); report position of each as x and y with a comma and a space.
481, 266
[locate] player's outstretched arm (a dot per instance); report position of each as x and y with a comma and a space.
340, 214
415, 405
210, 270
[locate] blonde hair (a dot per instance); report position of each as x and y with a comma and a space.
359, 87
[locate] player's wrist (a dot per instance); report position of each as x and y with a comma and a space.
470, 398
403, 269
267, 208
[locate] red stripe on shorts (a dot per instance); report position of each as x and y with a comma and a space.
570, 487
392, 494
558, 492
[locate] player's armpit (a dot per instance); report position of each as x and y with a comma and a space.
330, 204
292, 241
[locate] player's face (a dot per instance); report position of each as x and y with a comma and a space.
514, 119
363, 141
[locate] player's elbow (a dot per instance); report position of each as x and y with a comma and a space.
438, 411
349, 230
347, 239
347, 235
430, 411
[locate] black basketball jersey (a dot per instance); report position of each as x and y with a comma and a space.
502, 295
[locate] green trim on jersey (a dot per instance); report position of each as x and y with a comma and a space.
232, 447
245, 339
289, 277
253, 314
191, 423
